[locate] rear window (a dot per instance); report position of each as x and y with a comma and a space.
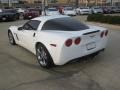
31, 25
64, 24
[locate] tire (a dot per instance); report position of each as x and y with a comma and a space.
18, 16
11, 38
24, 18
79, 13
43, 56
4, 18
14, 18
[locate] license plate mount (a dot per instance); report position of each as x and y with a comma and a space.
91, 46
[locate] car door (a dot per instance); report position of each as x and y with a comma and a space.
27, 35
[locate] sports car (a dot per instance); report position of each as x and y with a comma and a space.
56, 40
83, 10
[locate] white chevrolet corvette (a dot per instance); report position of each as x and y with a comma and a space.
58, 39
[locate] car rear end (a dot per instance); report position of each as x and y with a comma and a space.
70, 39
69, 11
83, 43
52, 11
85, 10
10, 14
96, 10
29, 14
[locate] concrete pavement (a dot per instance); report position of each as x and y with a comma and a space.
19, 69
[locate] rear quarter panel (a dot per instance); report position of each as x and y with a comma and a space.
47, 38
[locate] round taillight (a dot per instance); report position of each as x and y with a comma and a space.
77, 40
68, 43
102, 34
106, 33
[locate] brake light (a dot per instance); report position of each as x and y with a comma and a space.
77, 40
68, 43
106, 32
102, 34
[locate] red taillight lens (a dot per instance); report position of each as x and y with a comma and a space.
77, 40
102, 34
68, 43
106, 33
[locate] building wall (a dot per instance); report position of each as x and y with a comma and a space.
71, 1
66, 1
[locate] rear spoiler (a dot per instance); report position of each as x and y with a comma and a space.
91, 32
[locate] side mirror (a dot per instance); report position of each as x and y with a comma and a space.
20, 28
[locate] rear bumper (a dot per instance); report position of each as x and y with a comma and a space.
85, 12
30, 16
8, 17
70, 14
67, 54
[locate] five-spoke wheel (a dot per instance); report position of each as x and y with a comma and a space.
43, 56
11, 38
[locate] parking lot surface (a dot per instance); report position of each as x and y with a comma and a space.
19, 69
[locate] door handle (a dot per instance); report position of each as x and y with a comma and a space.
34, 34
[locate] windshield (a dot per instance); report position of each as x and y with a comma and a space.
114, 7
84, 7
52, 9
69, 8
97, 8
32, 10
64, 24
9, 11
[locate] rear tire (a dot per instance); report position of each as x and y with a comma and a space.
4, 18
11, 38
43, 56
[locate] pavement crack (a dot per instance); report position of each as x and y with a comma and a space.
40, 81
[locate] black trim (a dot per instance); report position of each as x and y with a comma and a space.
91, 32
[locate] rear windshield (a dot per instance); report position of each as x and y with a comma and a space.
64, 24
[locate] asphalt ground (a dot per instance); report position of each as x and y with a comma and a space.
19, 69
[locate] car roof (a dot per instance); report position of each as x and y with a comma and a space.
45, 18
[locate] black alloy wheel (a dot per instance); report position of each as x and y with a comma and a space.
11, 38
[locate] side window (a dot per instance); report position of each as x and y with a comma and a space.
31, 25
26, 26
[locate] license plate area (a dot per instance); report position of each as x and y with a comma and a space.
91, 46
